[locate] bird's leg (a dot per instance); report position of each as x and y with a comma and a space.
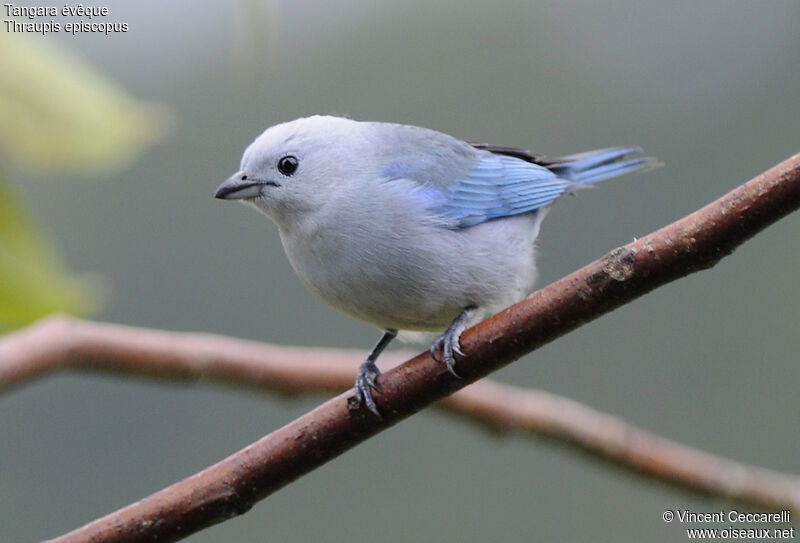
368, 372
448, 342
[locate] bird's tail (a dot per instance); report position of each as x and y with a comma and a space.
593, 166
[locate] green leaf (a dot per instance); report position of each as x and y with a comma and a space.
33, 282
58, 114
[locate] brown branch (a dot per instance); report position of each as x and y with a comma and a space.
67, 343
233, 485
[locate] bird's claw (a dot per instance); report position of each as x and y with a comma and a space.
364, 383
448, 344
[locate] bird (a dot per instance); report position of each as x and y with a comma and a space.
407, 228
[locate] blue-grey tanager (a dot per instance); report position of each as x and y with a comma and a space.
407, 228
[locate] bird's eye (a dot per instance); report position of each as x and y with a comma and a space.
287, 165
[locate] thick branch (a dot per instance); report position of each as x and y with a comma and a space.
66, 343
233, 485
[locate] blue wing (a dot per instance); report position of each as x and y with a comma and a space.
499, 186
510, 183
495, 182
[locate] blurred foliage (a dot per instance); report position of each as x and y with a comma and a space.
34, 283
254, 35
57, 115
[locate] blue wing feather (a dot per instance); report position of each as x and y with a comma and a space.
468, 186
501, 185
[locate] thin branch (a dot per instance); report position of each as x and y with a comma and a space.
233, 485
66, 343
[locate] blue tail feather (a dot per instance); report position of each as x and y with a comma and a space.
594, 166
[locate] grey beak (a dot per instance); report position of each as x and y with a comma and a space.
241, 187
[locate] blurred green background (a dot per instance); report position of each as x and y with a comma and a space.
711, 88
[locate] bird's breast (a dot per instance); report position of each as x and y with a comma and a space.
379, 272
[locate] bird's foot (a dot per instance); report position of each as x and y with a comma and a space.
448, 343
367, 374
365, 381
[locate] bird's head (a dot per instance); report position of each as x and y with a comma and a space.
296, 167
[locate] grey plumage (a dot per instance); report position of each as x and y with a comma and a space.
404, 227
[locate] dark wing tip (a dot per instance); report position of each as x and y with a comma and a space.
516, 152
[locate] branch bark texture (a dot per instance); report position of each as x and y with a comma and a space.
233, 485
61, 343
